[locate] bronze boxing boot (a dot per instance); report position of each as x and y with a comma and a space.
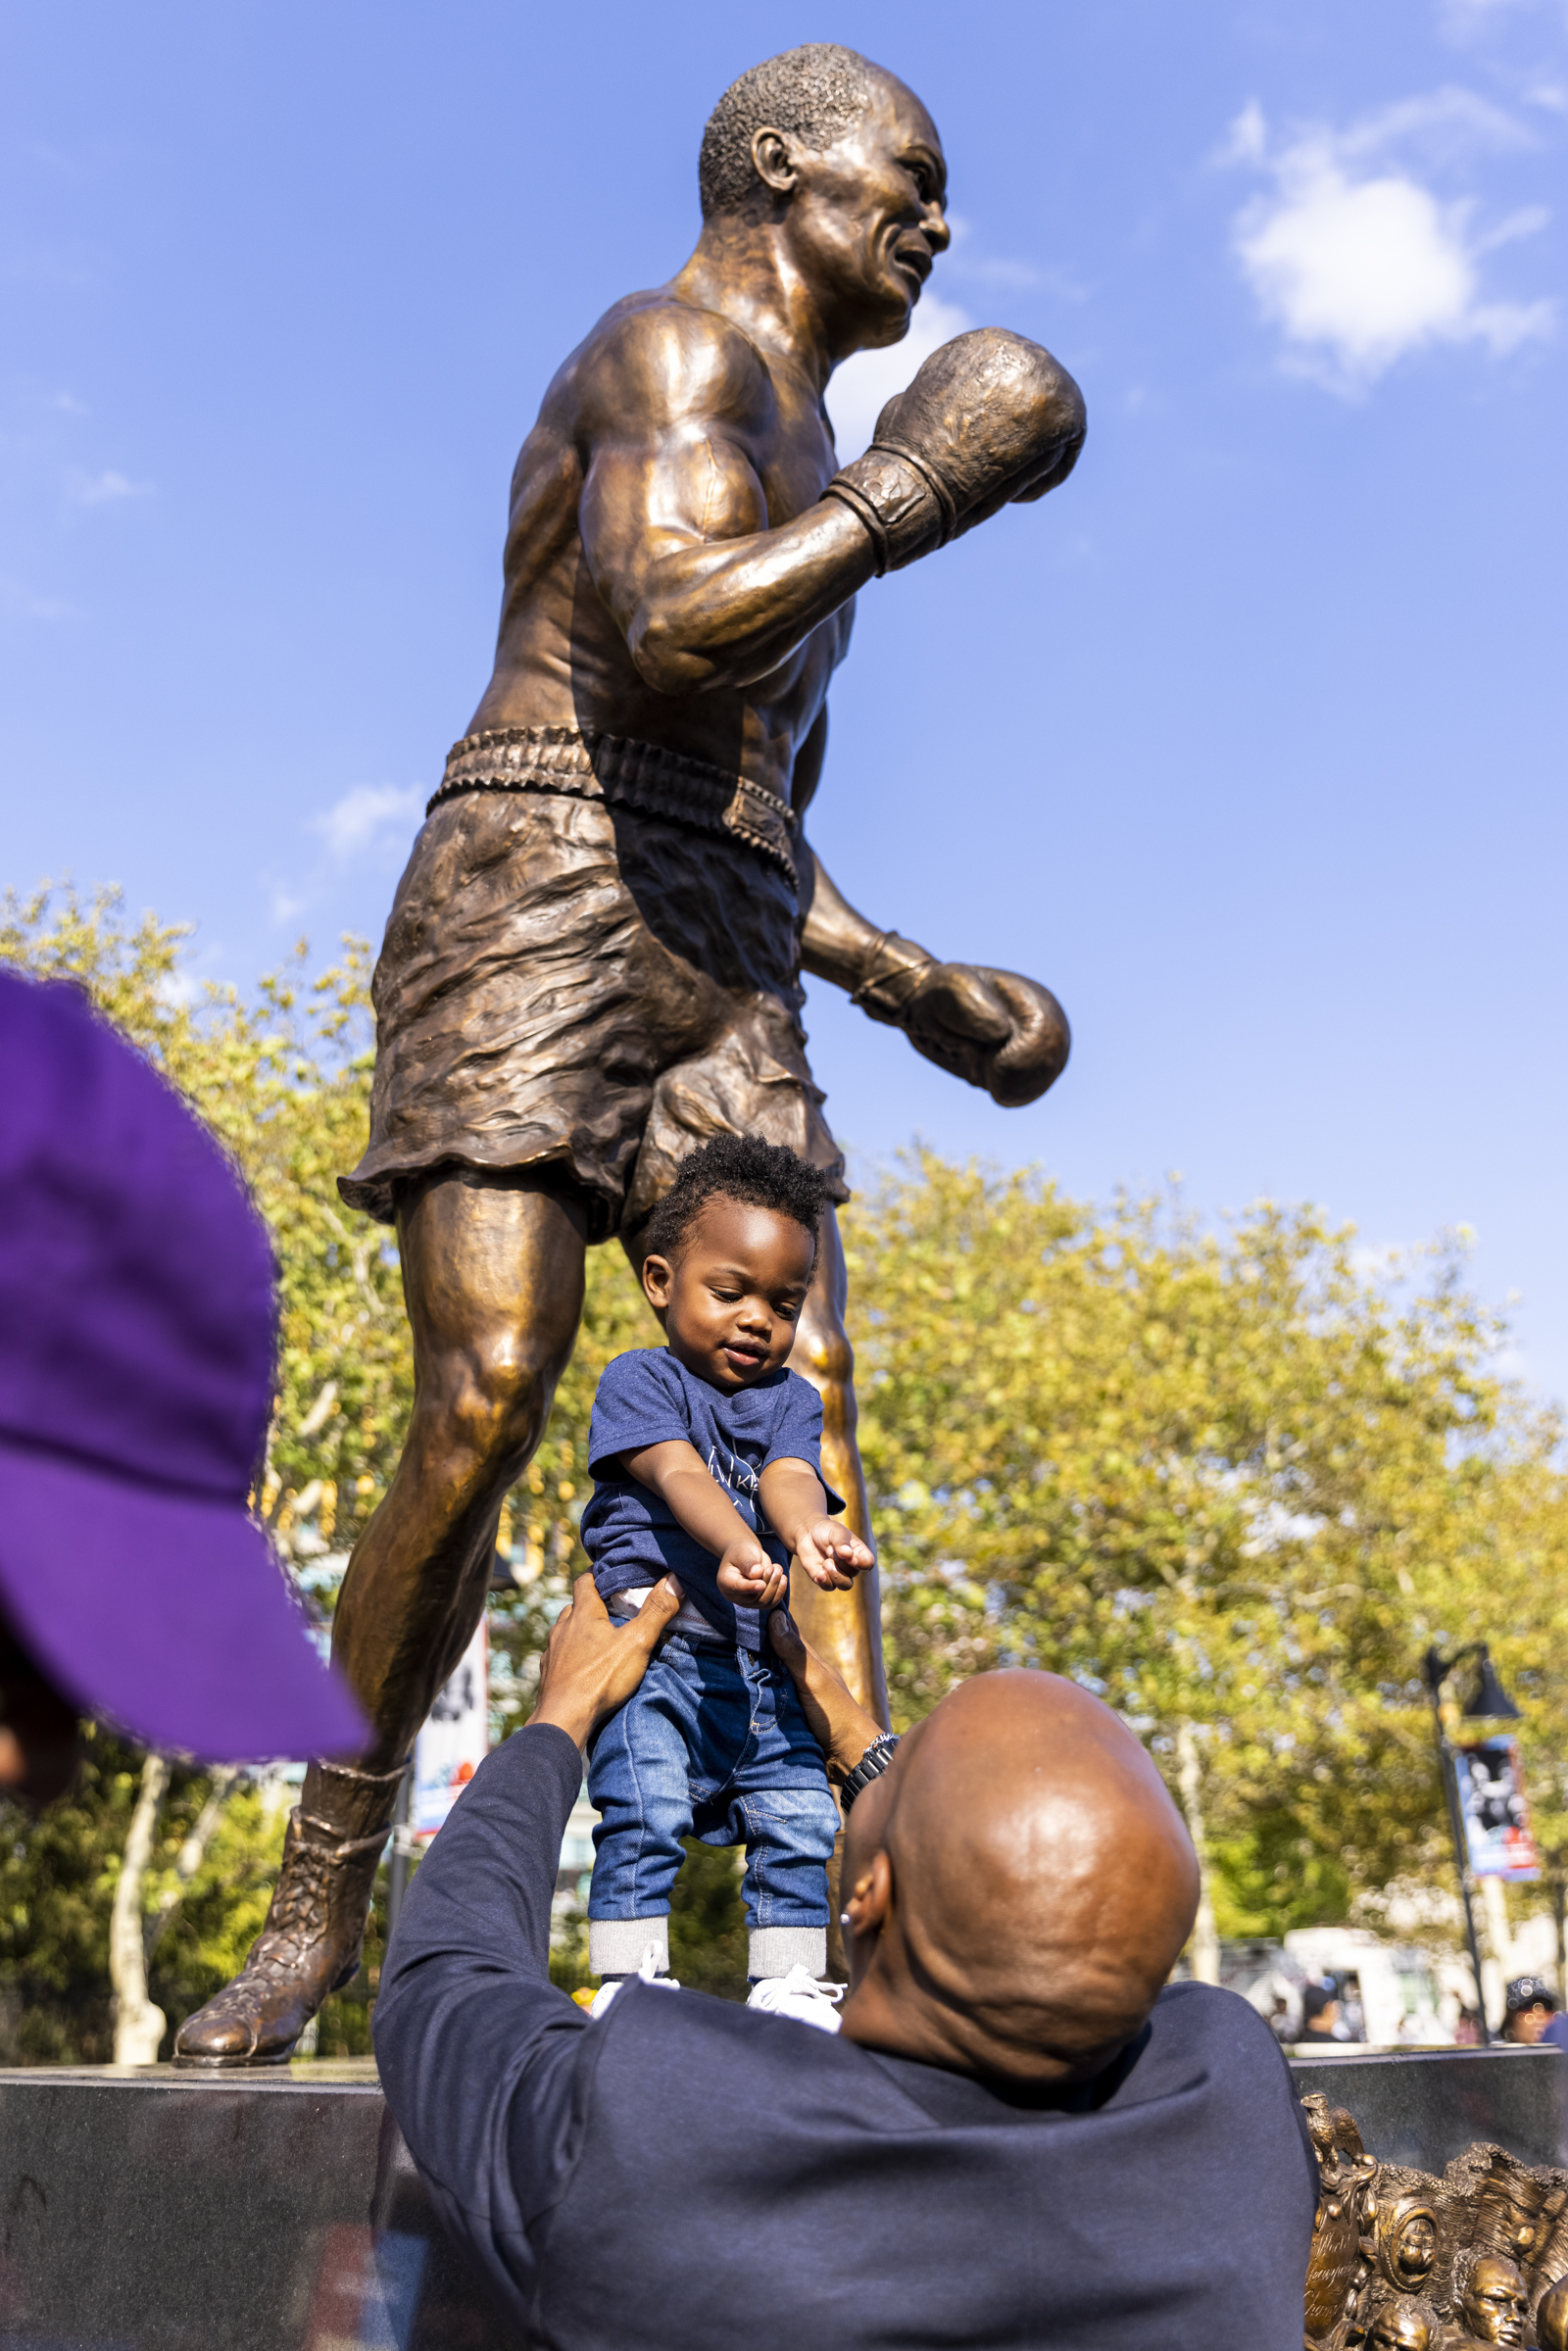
315, 1927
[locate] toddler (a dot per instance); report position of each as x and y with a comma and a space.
705, 1461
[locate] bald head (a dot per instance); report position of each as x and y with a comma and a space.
1021, 1884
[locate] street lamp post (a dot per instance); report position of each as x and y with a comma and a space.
1489, 1699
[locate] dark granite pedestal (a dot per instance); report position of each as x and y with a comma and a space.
147, 2210
144, 2209
1425, 2106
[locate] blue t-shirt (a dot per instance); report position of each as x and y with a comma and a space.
630, 1534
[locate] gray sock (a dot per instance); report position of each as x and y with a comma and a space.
615, 1947
774, 1950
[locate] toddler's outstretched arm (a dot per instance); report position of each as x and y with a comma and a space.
676, 1473
831, 1553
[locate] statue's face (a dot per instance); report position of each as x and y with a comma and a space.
1401, 2327
1414, 2247
1495, 2307
866, 219
1552, 2319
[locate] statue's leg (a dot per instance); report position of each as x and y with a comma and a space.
493, 1277
846, 1626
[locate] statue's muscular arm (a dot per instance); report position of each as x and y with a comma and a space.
684, 446
686, 453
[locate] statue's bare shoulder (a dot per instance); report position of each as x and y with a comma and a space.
665, 430
654, 363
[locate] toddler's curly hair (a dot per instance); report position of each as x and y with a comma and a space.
738, 1167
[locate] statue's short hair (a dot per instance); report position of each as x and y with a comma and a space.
816, 93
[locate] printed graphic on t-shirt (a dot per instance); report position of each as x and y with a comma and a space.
738, 1479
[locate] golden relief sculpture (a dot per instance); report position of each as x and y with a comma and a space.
1405, 2261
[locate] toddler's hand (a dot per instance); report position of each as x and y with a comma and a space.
831, 1555
747, 1574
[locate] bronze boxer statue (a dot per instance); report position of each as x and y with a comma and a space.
592, 961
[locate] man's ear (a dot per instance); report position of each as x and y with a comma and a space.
872, 1899
774, 162
657, 1275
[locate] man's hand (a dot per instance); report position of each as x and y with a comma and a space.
832, 1553
747, 1574
841, 1729
991, 1028
591, 1666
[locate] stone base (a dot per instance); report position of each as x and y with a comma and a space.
147, 2210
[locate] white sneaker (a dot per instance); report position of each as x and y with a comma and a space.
799, 1994
648, 1973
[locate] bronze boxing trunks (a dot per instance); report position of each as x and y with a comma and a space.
592, 965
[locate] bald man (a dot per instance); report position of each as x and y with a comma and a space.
1019, 2138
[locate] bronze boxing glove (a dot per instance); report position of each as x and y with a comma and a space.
990, 418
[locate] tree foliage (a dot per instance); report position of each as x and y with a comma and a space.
1236, 1480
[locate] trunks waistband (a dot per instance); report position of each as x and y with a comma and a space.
637, 775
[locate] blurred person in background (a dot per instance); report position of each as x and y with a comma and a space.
1529, 2012
1321, 2013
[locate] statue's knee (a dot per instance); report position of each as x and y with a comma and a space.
492, 1406
824, 1351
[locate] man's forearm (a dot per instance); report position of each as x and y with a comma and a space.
478, 2050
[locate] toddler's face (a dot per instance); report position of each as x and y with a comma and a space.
732, 1298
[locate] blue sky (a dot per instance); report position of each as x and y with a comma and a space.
1249, 741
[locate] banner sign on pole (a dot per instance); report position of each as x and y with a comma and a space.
454, 1739
1497, 1810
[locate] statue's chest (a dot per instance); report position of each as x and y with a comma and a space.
797, 464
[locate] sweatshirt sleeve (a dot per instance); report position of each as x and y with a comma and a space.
484, 2062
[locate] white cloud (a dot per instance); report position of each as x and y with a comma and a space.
966, 259
18, 602
1468, 19
862, 387
102, 489
1356, 259
365, 817
1443, 125
179, 989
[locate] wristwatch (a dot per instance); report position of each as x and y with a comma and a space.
872, 1764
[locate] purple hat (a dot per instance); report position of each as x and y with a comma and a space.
135, 1382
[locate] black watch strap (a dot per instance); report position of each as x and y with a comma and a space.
872, 1764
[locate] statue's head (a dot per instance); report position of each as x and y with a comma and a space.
1403, 2326
1551, 2318
1407, 2241
848, 161
1491, 2300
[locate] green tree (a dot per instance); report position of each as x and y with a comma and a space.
1236, 1482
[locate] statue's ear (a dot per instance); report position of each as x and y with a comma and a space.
773, 161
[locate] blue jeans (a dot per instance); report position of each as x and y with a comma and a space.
714, 1744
